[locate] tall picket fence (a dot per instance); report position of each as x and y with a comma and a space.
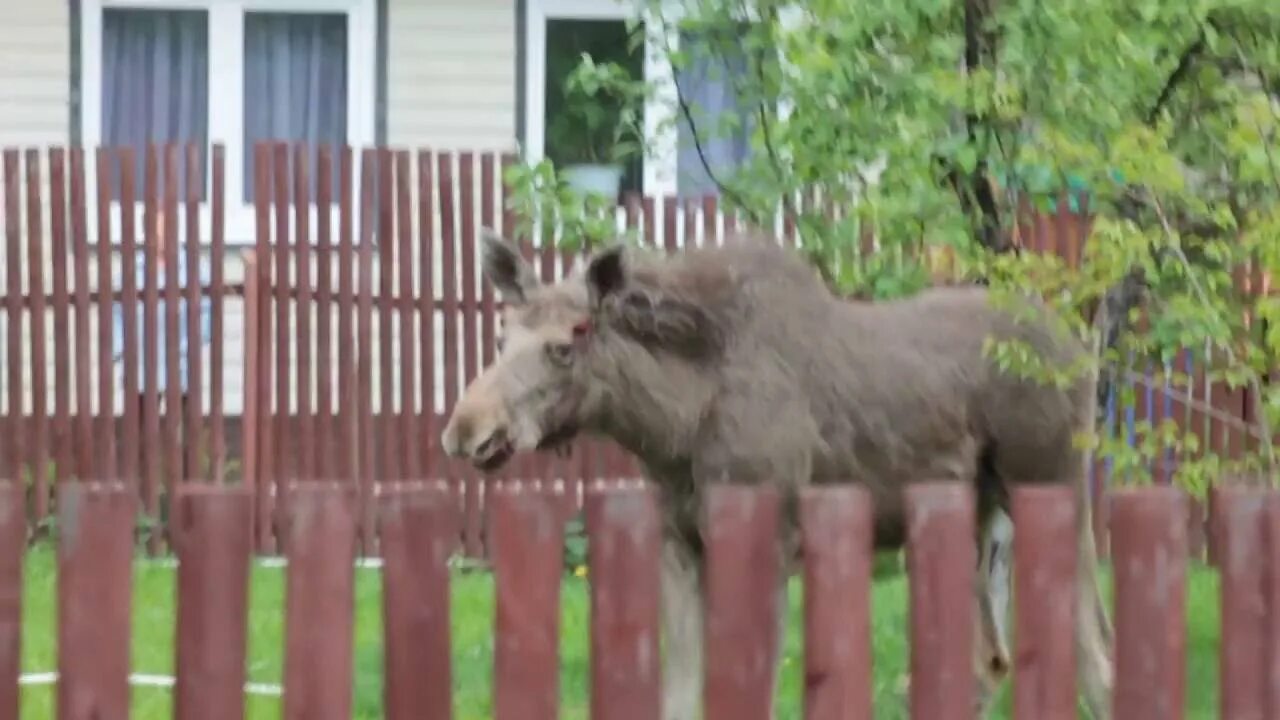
213, 540
332, 340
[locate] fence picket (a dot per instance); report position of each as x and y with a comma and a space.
15, 445
624, 531
37, 321
364, 393
172, 471
13, 545
131, 447
836, 536
61, 439
742, 601
106, 432
259, 305
326, 438
1045, 554
427, 310
152, 447
1149, 546
1243, 651
95, 571
528, 544
940, 559
407, 431
217, 288
418, 524
319, 600
284, 434
193, 434
84, 439
213, 539
304, 310
384, 422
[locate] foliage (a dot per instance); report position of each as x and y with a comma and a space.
932, 121
601, 122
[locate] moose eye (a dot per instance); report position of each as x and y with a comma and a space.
560, 353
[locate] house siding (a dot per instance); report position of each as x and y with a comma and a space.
35, 67
451, 74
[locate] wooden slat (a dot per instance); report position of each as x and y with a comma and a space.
193, 433
941, 557
319, 600
151, 445
16, 442
364, 392
711, 236
836, 535
283, 435
487, 219
302, 239
418, 530
527, 549
61, 439
426, 309
408, 434
213, 539
95, 567
35, 285
1045, 558
13, 544
348, 440
217, 258
1243, 651
742, 582
251, 426
87, 461
385, 423
131, 444
1148, 550
264, 507
327, 440
1271, 586
624, 555
173, 470
473, 521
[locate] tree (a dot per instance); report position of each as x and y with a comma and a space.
933, 120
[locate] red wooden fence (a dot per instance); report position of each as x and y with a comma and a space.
362, 316
211, 533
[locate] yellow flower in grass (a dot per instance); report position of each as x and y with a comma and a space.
580, 571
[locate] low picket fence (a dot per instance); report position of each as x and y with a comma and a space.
213, 538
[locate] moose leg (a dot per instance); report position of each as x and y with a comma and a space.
991, 645
682, 635
1093, 646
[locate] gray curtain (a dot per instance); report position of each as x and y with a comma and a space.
706, 82
155, 84
295, 84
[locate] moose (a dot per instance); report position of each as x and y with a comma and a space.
736, 363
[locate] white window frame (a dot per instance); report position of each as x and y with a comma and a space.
226, 95
660, 167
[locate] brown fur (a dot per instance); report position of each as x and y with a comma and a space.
736, 364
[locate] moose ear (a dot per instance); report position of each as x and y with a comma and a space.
606, 273
506, 268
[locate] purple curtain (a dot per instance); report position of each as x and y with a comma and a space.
706, 82
295, 84
155, 84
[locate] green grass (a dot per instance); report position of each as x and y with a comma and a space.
472, 607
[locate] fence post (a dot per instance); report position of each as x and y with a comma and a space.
418, 522
319, 600
836, 535
1149, 548
212, 534
624, 545
1271, 588
13, 544
527, 542
941, 558
742, 583
1045, 556
95, 571
1240, 540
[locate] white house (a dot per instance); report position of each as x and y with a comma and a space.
474, 75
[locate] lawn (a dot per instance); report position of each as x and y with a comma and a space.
472, 609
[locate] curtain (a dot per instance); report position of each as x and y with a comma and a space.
155, 85
706, 82
295, 84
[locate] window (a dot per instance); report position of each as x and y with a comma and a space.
707, 82
722, 120
233, 72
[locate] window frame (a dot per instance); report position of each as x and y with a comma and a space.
226, 85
